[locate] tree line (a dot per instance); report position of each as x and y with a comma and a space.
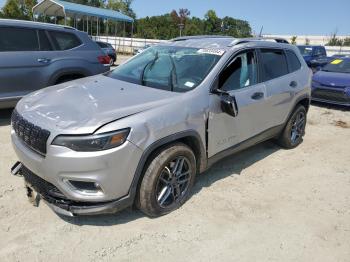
165, 26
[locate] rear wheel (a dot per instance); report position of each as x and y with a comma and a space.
67, 78
167, 181
294, 130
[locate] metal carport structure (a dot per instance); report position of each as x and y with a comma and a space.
58, 8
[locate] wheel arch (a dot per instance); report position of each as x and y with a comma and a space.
68, 73
303, 100
190, 138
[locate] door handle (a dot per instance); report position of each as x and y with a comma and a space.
43, 60
257, 95
293, 84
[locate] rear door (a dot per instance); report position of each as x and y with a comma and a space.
21, 61
280, 84
240, 79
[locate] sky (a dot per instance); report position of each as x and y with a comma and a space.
2, 2
292, 17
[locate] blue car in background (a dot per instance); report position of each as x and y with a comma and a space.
314, 56
332, 83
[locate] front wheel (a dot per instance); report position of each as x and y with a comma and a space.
294, 130
167, 181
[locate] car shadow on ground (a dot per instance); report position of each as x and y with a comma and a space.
5, 117
331, 106
230, 166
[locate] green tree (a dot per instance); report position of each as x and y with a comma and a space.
235, 27
307, 41
18, 9
334, 40
180, 18
212, 24
123, 6
294, 40
346, 41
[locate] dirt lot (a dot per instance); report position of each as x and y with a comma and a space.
265, 204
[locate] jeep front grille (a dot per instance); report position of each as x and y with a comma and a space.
33, 136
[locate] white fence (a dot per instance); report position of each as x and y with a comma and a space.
127, 45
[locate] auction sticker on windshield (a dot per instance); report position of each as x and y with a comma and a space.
211, 51
336, 61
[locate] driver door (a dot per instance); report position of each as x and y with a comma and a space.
239, 79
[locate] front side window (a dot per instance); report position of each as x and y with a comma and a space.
18, 39
274, 63
63, 40
170, 68
240, 72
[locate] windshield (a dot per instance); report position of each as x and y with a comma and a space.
305, 50
338, 66
170, 68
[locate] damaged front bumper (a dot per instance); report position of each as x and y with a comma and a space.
58, 202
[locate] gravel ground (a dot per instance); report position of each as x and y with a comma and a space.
264, 204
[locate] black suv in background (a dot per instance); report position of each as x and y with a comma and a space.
315, 56
35, 55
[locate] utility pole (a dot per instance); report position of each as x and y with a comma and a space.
181, 27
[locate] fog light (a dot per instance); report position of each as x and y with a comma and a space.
86, 186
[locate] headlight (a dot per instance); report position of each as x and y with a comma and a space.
88, 143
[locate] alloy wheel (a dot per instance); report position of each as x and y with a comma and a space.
298, 126
173, 182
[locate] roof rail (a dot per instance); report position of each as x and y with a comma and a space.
183, 38
252, 39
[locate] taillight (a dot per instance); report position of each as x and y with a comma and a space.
104, 59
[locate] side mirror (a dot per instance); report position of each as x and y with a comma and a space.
228, 104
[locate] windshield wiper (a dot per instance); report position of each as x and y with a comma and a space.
173, 74
150, 63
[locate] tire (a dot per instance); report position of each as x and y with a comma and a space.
293, 132
67, 78
164, 187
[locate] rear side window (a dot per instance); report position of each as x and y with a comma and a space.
64, 41
18, 39
274, 63
45, 44
293, 61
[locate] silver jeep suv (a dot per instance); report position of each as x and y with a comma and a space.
141, 133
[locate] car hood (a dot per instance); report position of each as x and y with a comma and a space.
332, 79
84, 105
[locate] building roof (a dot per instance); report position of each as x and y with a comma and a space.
63, 8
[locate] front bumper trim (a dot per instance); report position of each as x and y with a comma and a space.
88, 208
62, 205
